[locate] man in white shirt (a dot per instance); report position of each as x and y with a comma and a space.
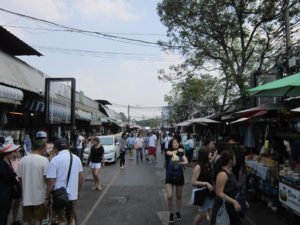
32, 173
57, 177
79, 145
152, 147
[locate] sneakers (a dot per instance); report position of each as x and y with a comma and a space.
171, 218
178, 216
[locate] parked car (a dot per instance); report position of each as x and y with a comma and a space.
111, 147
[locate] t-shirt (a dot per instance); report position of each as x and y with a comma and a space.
167, 140
58, 169
139, 142
152, 140
32, 170
79, 141
97, 154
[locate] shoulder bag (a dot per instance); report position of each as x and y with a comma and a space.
60, 197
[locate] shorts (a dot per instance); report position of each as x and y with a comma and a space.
207, 205
65, 215
34, 212
152, 151
95, 165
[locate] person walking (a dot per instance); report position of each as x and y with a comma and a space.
57, 176
8, 179
32, 174
146, 146
95, 161
189, 147
139, 142
130, 145
227, 188
176, 160
202, 178
122, 150
152, 147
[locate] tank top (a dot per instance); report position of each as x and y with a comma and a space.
205, 175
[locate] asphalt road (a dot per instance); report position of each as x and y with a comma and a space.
136, 196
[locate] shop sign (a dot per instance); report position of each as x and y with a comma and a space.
289, 197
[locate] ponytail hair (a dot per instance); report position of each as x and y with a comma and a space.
224, 159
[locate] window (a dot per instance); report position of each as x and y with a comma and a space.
106, 140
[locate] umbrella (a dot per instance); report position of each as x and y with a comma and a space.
287, 86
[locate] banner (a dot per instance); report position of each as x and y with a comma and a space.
289, 197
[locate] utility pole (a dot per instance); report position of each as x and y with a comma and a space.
287, 34
128, 114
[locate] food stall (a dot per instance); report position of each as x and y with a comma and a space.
289, 187
262, 179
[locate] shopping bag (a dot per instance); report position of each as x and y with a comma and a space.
199, 195
222, 215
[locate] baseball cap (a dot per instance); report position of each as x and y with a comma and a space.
61, 144
41, 134
6, 148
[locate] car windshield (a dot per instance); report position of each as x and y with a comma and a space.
106, 140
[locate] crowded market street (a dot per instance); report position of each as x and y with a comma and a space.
136, 196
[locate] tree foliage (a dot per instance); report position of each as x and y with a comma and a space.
195, 97
231, 37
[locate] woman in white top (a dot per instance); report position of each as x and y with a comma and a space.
139, 142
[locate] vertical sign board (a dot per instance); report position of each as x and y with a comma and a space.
289, 197
60, 101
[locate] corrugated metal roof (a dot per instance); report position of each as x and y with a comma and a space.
16, 73
13, 45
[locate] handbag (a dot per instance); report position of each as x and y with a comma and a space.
222, 215
200, 194
60, 197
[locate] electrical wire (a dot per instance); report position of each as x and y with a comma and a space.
99, 34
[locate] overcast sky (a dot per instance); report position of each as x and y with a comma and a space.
129, 78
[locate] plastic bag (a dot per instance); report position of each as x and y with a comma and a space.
222, 215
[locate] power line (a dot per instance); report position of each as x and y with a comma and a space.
106, 54
63, 30
101, 34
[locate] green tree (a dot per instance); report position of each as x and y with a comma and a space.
195, 97
231, 37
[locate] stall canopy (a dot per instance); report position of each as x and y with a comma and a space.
202, 121
10, 95
287, 86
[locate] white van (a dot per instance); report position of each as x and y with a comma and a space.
111, 147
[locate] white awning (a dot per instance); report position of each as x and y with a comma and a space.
203, 120
83, 115
10, 95
184, 124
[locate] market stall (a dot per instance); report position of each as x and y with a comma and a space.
289, 187
262, 179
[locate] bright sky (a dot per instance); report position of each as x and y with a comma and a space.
129, 78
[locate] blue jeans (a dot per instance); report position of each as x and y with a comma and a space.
139, 152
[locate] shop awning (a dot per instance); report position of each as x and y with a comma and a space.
203, 120
287, 86
296, 109
183, 124
244, 119
10, 95
83, 115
